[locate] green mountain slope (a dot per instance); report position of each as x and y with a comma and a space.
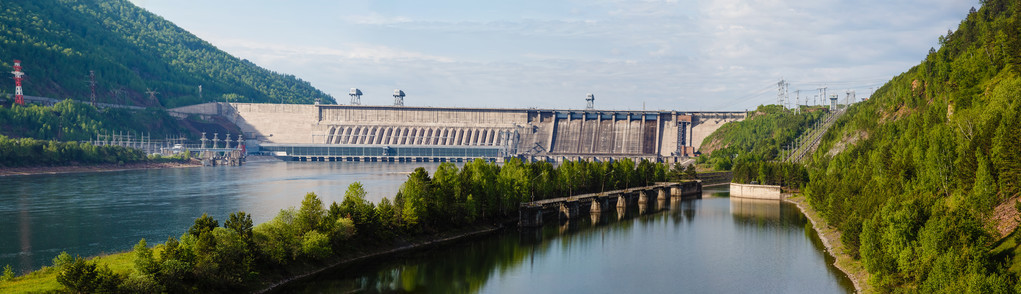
130, 50
922, 179
764, 135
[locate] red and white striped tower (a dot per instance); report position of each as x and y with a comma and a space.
19, 97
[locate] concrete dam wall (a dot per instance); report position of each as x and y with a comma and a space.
439, 130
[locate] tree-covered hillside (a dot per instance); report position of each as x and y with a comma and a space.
130, 50
922, 179
763, 135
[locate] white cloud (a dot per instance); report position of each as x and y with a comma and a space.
685, 55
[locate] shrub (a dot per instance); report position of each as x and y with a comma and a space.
316, 245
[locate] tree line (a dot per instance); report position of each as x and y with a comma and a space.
231, 257
70, 120
787, 174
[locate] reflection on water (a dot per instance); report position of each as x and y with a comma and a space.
700, 246
755, 209
91, 213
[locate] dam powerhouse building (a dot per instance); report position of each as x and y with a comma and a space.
402, 133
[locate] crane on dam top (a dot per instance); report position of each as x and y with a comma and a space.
356, 96
590, 101
398, 97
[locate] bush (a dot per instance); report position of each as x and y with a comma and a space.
316, 245
82, 276
8, 274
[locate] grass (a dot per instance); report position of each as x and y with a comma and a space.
45, 280
1007, 251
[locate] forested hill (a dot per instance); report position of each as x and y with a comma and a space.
923, 178
761, 137
130, 50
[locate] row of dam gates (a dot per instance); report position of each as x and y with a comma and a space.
401, 133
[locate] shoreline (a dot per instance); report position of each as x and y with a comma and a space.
67, 169
830, 237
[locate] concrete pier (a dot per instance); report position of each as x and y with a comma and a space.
569, 210
770, 192
531, 213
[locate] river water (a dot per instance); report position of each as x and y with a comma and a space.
710, 245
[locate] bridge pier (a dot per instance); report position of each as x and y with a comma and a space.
621, 202
661, 194
569, 209
597, 205
530, 216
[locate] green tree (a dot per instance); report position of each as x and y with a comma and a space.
203, 224
311, 214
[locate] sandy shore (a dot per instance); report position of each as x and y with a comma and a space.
48, 170
831, 238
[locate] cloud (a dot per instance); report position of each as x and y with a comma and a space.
683, 55
375, 19
274, 51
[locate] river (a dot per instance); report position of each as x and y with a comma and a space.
711, 245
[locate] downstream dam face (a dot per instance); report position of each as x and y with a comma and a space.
352, 131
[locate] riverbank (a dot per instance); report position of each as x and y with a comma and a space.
50, 170
830, 237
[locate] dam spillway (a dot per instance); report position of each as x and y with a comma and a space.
346, 131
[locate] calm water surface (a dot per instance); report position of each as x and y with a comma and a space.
711, 245
92, 213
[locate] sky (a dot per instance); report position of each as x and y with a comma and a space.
686, 55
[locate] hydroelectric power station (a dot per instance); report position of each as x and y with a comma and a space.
405, 133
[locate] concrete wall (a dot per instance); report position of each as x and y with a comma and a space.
264, 123
532, 132
755, 191
704, 124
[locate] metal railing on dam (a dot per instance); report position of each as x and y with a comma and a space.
531, 214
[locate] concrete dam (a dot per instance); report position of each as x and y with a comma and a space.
400, 133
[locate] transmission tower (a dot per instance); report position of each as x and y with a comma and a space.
822, 95
797, 101
92, 87
152, 95
782, 97
19, 97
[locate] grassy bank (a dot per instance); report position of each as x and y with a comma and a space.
830, 237
45, 280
